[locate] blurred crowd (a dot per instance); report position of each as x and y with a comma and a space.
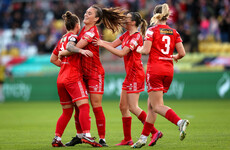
37, 25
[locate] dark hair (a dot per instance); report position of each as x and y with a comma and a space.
70, 20
139, 21
113, 18
160, 13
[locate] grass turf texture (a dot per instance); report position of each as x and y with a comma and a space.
31, 126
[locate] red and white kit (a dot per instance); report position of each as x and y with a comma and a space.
135, 75
160, 63
71, 87
93, 71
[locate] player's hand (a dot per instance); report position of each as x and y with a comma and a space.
94, 41
87, 53
98, 42
60, 55
175, 58
139, 49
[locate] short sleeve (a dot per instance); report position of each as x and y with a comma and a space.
56, 49
149, 35
72, 38
178, 38
132, 44
121, 37
88, 36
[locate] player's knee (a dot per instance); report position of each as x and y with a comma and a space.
96, 104
133, 109
156, 108
123, 108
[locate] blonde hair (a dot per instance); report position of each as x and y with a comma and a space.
160, 13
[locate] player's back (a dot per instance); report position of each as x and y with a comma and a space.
68, 63
163, 40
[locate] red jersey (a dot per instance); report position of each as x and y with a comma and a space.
163, 40
133, 64
70, 69
91, 65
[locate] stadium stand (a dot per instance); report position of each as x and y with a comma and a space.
31, 29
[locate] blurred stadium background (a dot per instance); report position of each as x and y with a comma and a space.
30, 29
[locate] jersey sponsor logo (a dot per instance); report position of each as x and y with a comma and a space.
90, 34
165, 58
166, 31
134, 42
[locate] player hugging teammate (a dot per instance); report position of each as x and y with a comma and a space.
83, 74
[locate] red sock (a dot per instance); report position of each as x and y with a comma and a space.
127, 128
154, 130
77, 122
100, 121
84, 117
142, 116
172, 116
63, 121
147, 129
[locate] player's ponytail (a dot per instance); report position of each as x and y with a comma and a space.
160, 13
113, 18
144, 25
70, 20
139, 21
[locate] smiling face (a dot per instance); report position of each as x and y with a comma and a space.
90, 16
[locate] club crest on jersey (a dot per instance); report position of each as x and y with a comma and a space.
166, 31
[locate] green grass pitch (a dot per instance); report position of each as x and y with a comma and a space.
31, 126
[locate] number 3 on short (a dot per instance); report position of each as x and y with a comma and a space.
167, 45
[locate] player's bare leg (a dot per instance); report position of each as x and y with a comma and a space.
133, 99
156, 99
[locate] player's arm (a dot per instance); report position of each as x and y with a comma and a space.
54, 59
71, 48
113, 50
145, 49
114, 44
180, 52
